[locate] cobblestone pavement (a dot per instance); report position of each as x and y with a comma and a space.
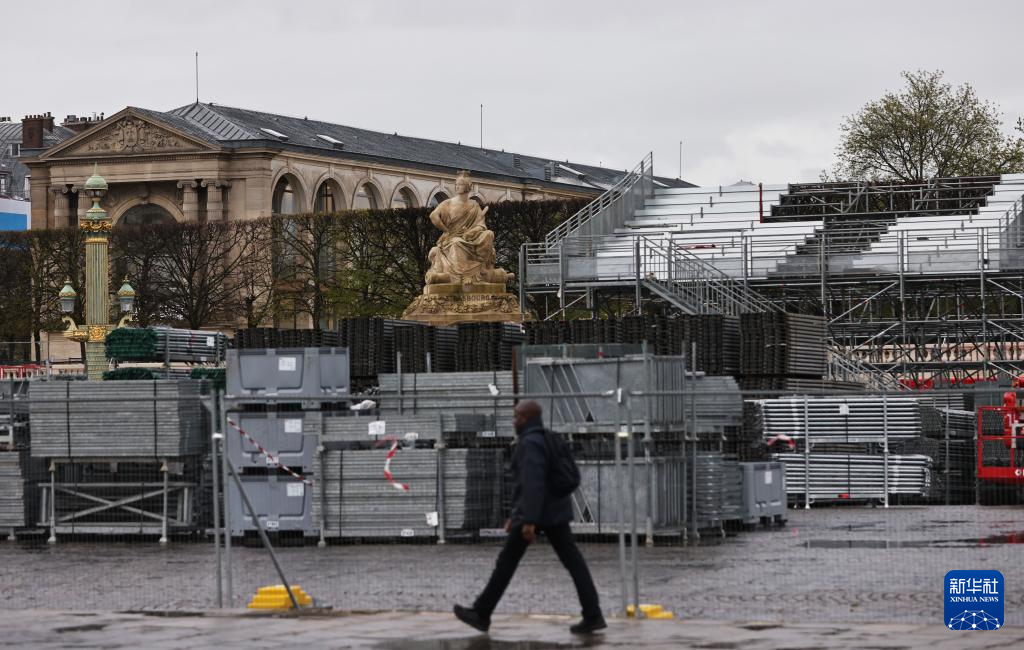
432, 631
830, 564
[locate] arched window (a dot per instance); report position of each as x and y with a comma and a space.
366, 198
404, 198
147, 214
285, 197
328, 198
436, 199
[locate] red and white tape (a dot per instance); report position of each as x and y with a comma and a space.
271, 457
402, 487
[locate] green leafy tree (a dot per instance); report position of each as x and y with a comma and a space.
928, 129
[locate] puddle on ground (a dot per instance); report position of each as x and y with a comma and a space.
89, 627
991, 540
484, 642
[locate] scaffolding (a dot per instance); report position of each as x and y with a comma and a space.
921, 281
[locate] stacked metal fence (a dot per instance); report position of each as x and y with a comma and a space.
166, 344
838, 477
122, 456
116, 419
440, 493
472, 403
19, 500
839, 419
847, 446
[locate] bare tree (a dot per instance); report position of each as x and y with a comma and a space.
199, 271
256, 277
307, 251
16, 308
138, 254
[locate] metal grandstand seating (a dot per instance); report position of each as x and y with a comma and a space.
842, 245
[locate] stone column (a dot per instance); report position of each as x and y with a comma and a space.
61, 207
215, 199
190, 200
83, 205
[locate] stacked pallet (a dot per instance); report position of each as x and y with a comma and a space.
157, 344
717, 337
425, 348
110, 419
268, 337
372, 345
487, 346
783, 345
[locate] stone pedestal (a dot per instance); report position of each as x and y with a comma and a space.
448, 304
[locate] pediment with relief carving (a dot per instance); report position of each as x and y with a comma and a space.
131, 135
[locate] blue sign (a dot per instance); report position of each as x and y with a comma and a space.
13, 221
974, 600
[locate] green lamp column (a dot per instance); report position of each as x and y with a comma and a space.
97, 226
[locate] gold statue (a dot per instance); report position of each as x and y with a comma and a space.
464, 253
462, 284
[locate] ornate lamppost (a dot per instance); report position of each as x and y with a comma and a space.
97, 226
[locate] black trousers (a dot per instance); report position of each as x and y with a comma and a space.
562, 541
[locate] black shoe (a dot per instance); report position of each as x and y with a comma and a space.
470, 617
589, 625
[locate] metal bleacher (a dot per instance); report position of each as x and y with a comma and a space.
829, 247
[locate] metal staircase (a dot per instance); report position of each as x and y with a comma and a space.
691, 284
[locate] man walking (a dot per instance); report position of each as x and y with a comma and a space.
535, 509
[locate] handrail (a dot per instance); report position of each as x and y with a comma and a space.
691, 280
844, 368
615, 197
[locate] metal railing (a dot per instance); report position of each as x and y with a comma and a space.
610, 210
693, 285
849, 370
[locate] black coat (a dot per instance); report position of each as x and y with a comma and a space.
532, 502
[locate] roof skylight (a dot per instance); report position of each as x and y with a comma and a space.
276, 134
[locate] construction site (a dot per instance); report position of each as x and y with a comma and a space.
787, 402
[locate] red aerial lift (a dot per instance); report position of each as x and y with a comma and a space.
1012, 437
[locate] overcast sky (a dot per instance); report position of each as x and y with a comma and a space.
755, 90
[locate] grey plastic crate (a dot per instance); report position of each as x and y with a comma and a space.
764, 492
281, 503
291, 437
288, 372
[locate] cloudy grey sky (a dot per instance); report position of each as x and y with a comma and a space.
755, 89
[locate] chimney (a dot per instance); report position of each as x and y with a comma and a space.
48, 122
517, 162
81, 123
32, 131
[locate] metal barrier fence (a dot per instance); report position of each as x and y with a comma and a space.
413, 522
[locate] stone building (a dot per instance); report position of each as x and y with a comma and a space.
205, 162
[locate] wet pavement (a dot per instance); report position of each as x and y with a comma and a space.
840, 565
436, 631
